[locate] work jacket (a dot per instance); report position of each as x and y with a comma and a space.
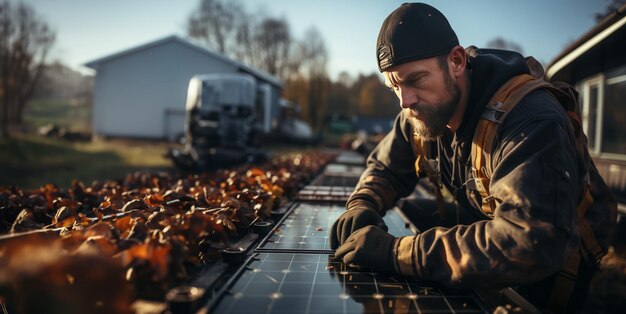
535, 179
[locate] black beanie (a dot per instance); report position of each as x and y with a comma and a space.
413, 31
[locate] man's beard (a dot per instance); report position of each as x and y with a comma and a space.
435, 117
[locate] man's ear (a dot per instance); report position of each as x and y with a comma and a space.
457, 61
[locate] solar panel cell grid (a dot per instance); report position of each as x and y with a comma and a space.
307, 226
311, 283
336, 180
325, 193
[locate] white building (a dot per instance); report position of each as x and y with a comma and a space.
141, 92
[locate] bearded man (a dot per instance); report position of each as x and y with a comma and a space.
536, 176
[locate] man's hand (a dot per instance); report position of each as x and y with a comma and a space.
352, 220
369, 248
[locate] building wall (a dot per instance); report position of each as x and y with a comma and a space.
132, 93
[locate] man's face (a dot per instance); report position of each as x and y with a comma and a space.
428, 92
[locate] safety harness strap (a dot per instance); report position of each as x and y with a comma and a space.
495, 112
422, 165
594, 252
564, 284
566, 279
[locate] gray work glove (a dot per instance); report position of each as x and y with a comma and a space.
357, 217
369, 248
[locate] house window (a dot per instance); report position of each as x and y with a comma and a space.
614, 122
591, 111
604, 112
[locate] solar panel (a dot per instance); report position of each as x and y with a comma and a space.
325, 193
351, 158
325, 180
311, 283
306, 227
339, 175
292, 269
343, 170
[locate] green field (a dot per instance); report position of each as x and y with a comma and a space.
30, 161
61, 112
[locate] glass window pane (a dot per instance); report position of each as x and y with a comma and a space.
614, 127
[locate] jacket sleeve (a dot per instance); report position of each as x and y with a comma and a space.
390, 172
534, 227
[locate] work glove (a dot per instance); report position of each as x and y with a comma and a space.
351, 220
369, 248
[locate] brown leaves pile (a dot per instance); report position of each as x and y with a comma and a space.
151, 228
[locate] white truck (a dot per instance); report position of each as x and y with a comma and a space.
228, 117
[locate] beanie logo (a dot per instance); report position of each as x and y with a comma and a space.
384, 57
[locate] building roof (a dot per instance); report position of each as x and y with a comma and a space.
605, 28
262, 75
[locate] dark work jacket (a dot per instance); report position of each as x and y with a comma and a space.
534, 177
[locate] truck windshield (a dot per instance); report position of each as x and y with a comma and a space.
208, 98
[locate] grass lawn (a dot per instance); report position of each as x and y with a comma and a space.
30, 161
59, 112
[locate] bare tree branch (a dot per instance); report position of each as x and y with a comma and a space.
215, 24
315, 59
501, 43
272, 39
24, 44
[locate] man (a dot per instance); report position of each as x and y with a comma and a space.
536, 177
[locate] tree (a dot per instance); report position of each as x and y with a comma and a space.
215, 23
339, 95
255, 39
612, 6
345, 79
314, 59
244, 38
501, 43
25, 40
273, 40
375, 99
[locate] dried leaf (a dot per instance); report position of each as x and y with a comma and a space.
64, 217
123, 223
135, 204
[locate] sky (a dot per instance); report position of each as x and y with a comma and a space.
90, 29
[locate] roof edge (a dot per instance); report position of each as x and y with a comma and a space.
93, 64
242, 67
599, 32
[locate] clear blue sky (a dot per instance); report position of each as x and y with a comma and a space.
90, 29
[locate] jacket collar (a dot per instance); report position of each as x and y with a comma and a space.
488, 70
